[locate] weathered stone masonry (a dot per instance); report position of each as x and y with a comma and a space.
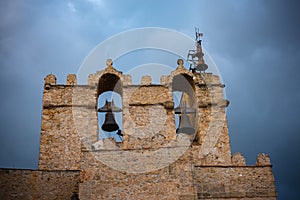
151, 162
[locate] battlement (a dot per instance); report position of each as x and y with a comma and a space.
203, 79
50, 79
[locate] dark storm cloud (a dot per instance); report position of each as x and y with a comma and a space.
255, 44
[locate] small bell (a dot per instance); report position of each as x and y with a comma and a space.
201, 67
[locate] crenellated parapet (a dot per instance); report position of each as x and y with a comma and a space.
262, 160
50, 79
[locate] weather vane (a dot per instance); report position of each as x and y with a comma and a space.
195, 57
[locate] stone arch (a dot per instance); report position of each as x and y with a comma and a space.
184, 85
109, 84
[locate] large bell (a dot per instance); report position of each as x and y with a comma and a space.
185, 125
110, 123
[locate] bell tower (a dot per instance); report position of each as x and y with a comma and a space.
162, 150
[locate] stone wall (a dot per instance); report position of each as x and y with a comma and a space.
212, 136
182, 179
32, 185
213, 141
105, 176
59, 143
144, 106
69, 117
231, 182
98, 181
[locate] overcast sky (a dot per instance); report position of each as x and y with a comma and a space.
254, 43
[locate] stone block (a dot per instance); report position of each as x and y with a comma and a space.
263, 160
238, 160
146, 80
50, 79
71, 79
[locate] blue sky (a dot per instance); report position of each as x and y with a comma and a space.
254, 43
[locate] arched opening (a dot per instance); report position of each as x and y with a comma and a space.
109, 107
183, 90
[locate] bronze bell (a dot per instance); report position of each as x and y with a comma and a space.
185, 125
110, 123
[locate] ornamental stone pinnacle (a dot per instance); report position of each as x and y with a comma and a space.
109, 63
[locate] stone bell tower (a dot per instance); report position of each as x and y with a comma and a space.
156, 158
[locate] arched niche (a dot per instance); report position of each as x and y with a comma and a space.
183, 90
109, 89
109, 82
184, 83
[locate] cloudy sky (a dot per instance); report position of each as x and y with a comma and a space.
254, 43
